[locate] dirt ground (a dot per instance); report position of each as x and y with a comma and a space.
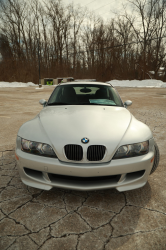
67, 220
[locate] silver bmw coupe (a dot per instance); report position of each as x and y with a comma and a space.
85, 139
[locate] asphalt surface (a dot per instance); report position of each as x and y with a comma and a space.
67, 220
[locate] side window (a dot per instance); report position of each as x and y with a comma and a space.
109, 94
59, 94
56, 95
116, 98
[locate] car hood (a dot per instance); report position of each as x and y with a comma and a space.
102, 125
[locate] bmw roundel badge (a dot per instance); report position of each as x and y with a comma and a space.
85, 140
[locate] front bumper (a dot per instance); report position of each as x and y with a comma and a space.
46, 173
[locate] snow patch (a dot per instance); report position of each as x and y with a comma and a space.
39, 88
149, 83
15, 84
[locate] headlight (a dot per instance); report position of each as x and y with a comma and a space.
132, 150
37, 148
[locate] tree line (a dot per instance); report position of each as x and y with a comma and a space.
72, 41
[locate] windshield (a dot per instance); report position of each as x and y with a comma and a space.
85, 94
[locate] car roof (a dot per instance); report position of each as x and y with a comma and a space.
83, 82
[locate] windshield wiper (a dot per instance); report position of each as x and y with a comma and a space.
58, 103
101, 104
86, 103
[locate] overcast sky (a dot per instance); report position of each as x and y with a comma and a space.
105, 8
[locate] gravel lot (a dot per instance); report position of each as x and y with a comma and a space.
68, 220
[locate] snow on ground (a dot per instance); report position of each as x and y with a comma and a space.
15, 84
149, 83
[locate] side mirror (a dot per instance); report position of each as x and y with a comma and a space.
43, 102
127, 103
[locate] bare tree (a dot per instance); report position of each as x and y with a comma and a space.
151, 17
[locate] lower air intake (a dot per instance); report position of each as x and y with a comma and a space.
74, 152
96, 152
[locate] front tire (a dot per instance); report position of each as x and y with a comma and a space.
156, 158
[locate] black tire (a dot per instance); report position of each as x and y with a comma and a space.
156, 158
